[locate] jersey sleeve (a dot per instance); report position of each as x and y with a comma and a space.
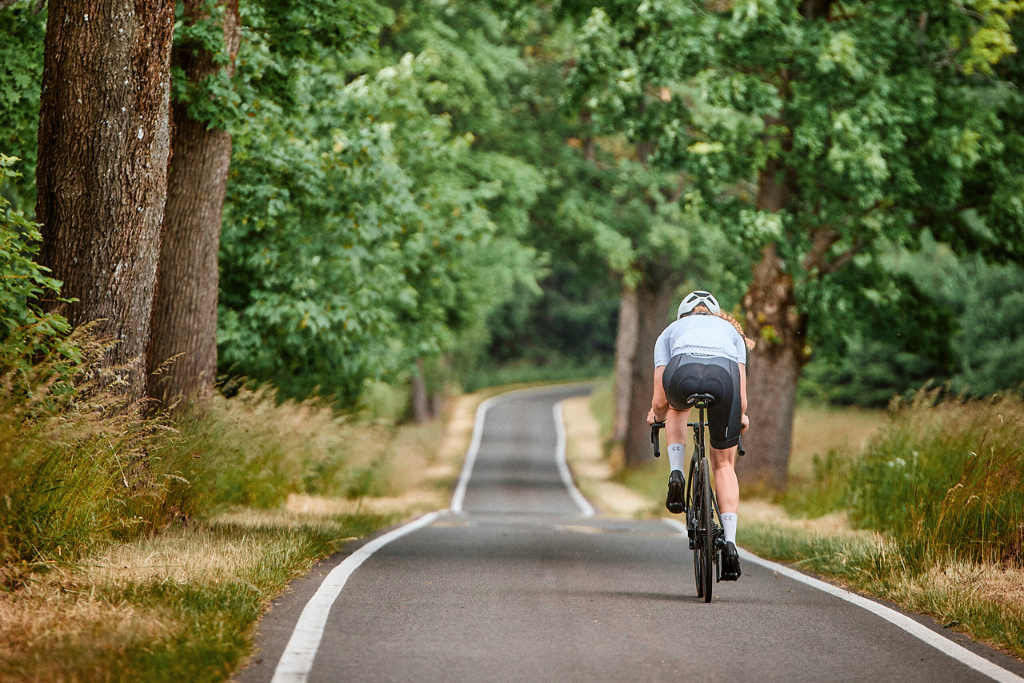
741, 348
662, 349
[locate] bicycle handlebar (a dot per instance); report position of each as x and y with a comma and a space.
655, 428
656, 442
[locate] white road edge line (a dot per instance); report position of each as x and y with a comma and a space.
923, 633
297, 660
474, 446
563, 467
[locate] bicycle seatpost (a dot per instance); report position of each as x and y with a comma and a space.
655, 428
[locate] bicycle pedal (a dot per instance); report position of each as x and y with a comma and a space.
719, 545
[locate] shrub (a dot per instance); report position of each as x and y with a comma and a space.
947, 479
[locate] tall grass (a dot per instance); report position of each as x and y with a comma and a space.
947, 479
80, 467
75, 461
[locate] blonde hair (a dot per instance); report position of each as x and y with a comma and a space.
736, 323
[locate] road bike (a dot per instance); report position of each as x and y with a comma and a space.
703, 523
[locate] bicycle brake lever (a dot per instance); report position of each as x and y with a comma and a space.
655, 428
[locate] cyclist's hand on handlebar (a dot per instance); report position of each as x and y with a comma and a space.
651, 418
745, 423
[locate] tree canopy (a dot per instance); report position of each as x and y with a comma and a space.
486, 182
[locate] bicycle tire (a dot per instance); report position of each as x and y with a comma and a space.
694, 517
707, 540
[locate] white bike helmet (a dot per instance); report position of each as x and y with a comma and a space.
694, 299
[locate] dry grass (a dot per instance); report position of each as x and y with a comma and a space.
820, 429
593, 473
181, 604
985, 600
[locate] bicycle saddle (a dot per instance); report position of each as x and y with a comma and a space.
698, 399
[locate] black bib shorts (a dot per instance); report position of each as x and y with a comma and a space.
719, 377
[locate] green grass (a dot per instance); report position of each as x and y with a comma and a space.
938, 486
91, 490
207, 617
877, 565
947, 479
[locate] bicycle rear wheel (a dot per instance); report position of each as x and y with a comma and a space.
707, 535
694, 517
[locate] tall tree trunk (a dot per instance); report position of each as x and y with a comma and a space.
625, 350
774, 365
653, 301
102, 170
773, 369
420, 401
184, 324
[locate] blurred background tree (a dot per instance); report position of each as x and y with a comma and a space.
473, 192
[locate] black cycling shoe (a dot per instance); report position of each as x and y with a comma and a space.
676, 486
730, 563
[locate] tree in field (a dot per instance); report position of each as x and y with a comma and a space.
182, 357
101, 175
816, 135
208, 105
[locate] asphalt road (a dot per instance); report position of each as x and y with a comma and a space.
521, 586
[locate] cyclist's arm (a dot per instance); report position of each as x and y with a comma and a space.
743, 387
659, 403
743, 397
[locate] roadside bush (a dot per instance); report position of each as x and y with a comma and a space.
947, 479
252, 450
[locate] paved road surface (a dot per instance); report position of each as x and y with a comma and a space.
522, 587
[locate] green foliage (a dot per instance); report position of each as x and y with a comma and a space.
27, 333
871, 115
975, 306
363, 228
947, 480
21, 71
520, 372
989, 307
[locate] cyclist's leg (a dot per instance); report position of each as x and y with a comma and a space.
724, 418
727, 487
679, 378
675, 425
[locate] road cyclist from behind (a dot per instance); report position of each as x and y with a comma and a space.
704, 352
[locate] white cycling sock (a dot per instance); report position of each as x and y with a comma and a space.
676, 456
729, 523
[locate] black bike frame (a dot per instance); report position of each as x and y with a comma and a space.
700, 453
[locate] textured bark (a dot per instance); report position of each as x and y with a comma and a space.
625, 350
184, 323
420, 402
653, 301
102, 170
815, 9
773, 369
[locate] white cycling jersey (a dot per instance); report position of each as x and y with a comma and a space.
700, 335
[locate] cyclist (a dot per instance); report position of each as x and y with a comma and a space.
704, 352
